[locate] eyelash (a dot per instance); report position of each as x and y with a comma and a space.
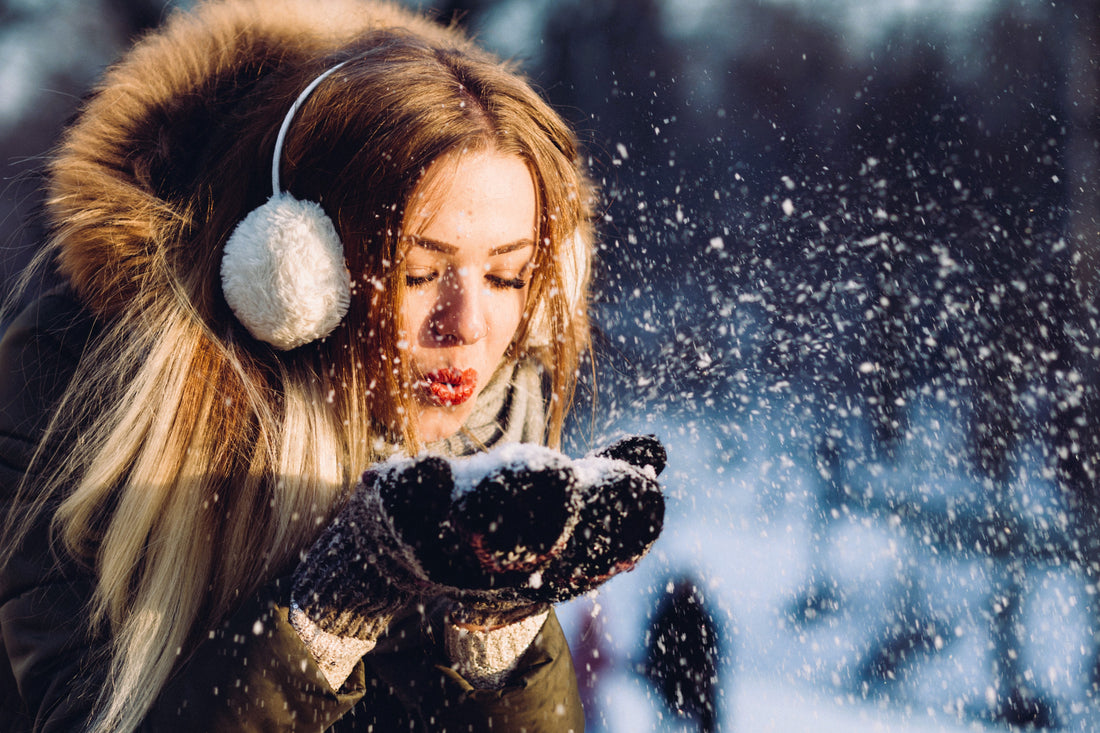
498, 283
502, 283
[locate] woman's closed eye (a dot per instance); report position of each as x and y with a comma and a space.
500, 282
495, 280
416, 279
507, 278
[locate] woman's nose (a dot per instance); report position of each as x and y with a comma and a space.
460, 315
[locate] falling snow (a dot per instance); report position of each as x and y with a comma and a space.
840, 279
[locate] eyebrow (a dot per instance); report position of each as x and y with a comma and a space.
449, 249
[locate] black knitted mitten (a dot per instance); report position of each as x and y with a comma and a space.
621, 515
502, 534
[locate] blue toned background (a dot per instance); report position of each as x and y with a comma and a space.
849, 277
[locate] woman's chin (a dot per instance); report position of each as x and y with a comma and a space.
436, 422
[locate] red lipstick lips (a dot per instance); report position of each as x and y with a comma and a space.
450, 386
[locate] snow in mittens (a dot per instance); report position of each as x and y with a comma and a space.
526, 456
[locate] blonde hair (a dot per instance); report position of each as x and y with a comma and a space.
203, 462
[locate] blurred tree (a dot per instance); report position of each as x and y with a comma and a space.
1080, 27
611, 61
1073, 425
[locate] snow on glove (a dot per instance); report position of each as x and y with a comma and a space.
641, 451
531, 527
407, 532
502, 533
621, 516
511, 511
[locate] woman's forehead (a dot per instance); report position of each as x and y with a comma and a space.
486, 197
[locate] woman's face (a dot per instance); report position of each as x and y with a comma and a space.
469, 239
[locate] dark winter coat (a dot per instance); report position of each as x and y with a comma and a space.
251, 674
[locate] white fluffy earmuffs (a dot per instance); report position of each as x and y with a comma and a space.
283, 271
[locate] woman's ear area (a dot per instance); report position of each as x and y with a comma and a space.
284, 274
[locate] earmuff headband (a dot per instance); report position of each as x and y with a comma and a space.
276, 160
283, 272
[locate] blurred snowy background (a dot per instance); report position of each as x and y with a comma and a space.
849, 277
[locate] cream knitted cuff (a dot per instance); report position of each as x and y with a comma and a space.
486, 658
335, 655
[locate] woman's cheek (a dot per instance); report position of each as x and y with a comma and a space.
415, 310
514, 311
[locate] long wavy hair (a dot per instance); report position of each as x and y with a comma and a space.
181, 427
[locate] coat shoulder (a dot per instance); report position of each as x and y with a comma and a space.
39, 353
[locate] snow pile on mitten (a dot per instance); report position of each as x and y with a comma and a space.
503, 533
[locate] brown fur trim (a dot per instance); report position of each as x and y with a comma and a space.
118, 224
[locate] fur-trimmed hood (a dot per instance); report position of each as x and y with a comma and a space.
115, 221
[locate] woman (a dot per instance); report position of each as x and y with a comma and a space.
300, 239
